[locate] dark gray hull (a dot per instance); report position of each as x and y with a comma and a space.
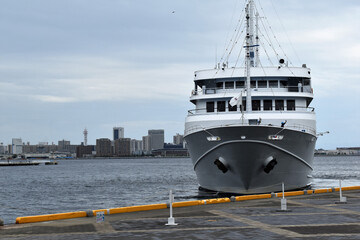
245, 152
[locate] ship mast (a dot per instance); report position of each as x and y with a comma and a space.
250, 55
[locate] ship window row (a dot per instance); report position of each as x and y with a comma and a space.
264, 83
257, 105
290, 84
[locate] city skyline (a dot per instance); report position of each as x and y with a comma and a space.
83, 141
69, 65
151, 144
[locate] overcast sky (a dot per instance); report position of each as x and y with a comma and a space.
70, 64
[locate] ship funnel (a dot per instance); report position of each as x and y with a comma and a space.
269, 164
221, 164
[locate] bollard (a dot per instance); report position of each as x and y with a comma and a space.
171, 220
283, 201
342, 199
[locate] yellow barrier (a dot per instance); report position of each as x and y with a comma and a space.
50, 217
252, 197
309, 192
350, 188
324, 190
137, 208
101, 210
286, 194
187, 203
217, 200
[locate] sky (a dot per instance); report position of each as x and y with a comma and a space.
74, 64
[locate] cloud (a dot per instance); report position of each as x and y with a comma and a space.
82, 79
56, 99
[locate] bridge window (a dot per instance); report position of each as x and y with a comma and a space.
262, 84
221, 106
267, 105
256, 105
273, 84
279, 105
253, 84
232, 109
229, 85
283, 84
219, 85
210, 106
290, 105
240, 84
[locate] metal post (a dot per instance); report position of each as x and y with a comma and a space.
171, 220
342, 199
283, 201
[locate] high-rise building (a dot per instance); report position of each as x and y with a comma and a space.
2, 148
103, 147
136, 147
84, 150
156, 138
17, 146
178, 139
122, 147
63, 145
146, 144
118, 132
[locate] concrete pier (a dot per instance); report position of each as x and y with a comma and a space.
314, 215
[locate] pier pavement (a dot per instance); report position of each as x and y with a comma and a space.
311, 216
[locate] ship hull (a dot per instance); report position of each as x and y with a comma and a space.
245, 153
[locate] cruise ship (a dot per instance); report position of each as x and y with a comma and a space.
252, 128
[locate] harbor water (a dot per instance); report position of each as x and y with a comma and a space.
77, 185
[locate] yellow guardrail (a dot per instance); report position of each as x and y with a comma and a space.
50, 217
60, 216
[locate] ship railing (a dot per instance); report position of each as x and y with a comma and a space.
298, 109
298, 127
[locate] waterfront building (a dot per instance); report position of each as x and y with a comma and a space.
136, 147
118, 132
63, 145
42, 147
156, 138
2, 148
171, 150
122, 147
17, 146
348, 150
178, 139
146, 144
84, 150
103, 147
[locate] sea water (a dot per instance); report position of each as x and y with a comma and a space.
80, 185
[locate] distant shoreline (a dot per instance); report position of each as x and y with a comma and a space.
335, 155
131, 157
